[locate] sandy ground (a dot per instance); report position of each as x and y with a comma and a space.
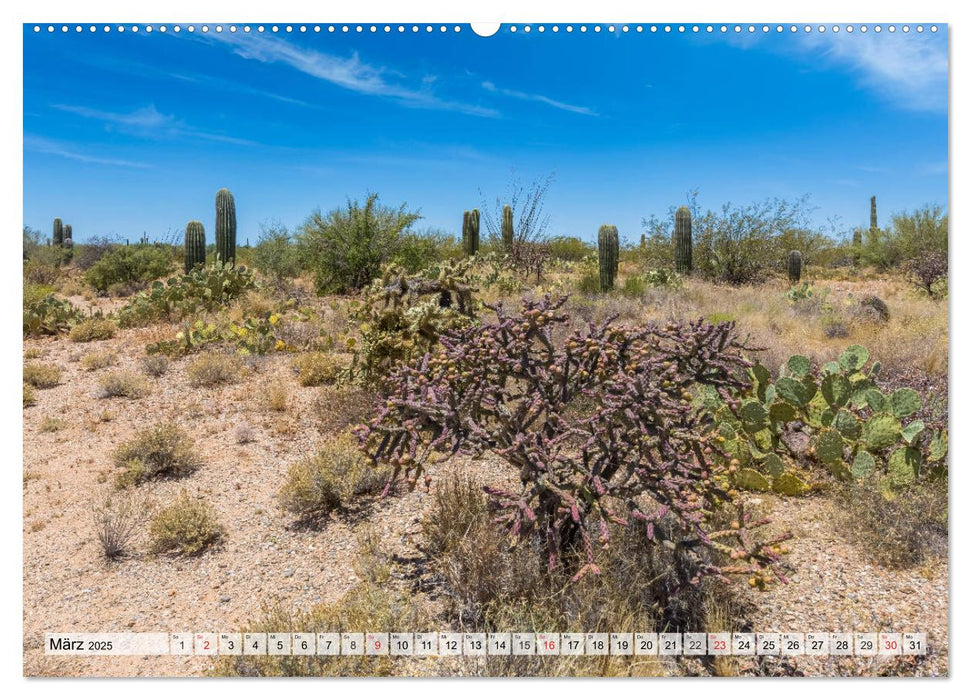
69, 587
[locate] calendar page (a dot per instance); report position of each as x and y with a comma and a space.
518, 349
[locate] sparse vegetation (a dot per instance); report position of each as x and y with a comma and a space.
99, 360
117, 520
122, 383
42, 376
93, 329
188, 526
213, 369
316, 368
165, 451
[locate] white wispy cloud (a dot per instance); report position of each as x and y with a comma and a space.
532, 97
350, 73
148, 121
39, 144
908, 70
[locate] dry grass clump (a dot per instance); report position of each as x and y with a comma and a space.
187, 526
52, 425
99, 360
897, 530
33, 353
93, 329
213, 369
122, 383
164, 451
316, 368
277, 398
328, 481
30, 396
117, 520
339, 407
243, 433
155, 365
41, 376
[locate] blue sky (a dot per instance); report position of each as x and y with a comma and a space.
131, 133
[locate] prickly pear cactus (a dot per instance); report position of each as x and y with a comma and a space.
682, 240
795, 266
195, 245
225, 226
836, 419
608, 249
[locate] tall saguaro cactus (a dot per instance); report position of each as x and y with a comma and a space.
195, 245
608, 249
873, 213
795, 266
57, 236
225, 226
507, 230
682, 240
470, 232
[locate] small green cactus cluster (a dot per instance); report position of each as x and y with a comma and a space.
682, 241
470, 232
402, 315
225, 226
795, 266
195, 245
608, 250
836, 418
508, 235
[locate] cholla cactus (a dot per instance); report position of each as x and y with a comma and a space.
470, 232
598, 423
195, 245
225, 226
608, 249
795, 266
508, 236
682, 240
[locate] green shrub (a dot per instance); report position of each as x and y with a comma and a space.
420, 250
98, 360
213, 369
570, 248
589, 282
30, 396
276, 255
42, 376
347, 247
129, 265
38, 272
93, 329
164, 451
338, 473
187, 526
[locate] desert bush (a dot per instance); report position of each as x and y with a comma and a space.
316, 368
277, 398
875, 307
155, 365
91, 251
47, 315
276, 255
117, 520
418, 250
93, 329
187, 526
52, 425
911, 235
570, 248
243, 433
29, 396
518, 389
347, 247
338, 407
213, 369
164, 451
928, 272
836, 329
99, 360
122, 383
202, 289
897, 530
42, 376
39, 272
329, 481
401, 316
589, 281
135, 265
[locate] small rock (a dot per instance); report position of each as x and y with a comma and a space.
288, 573
224, 599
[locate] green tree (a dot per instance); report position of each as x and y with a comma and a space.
347, 247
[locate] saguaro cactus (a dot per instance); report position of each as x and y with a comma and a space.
195, 245
795, 266
225, 226
873, 213
470, 232
57, 238
857, 245
682, 240
68, 242
608, 249
507, 231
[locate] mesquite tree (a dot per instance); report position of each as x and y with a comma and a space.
600, 424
